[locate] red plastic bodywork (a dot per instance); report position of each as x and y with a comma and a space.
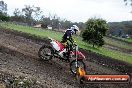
60, 45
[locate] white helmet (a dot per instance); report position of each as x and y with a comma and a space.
75, 29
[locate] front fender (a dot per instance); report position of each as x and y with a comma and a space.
81, 56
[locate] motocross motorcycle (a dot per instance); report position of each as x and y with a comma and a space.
72, 55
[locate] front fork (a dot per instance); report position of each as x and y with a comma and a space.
76, 57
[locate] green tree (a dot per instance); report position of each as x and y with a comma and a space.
37, 13
45, 21
3, 11
55, 23
17, 16
4, 17
128, 2
95, 30
66, 24
17, 12
31, 13
28, 11
3, 7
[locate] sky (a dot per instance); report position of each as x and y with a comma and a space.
78, 10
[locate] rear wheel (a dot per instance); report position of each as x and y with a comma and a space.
45, 53
75, 64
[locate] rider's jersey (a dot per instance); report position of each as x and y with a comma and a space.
68, 36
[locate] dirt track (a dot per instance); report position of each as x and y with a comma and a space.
18, 56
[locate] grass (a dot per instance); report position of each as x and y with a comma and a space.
107, 52
57, 35
124, 39
31, 30
117, 43
129, 39
117, 55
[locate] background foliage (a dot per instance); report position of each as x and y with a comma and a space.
95, 30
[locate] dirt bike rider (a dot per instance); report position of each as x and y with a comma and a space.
68, 37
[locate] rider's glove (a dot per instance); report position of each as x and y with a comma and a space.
74, 44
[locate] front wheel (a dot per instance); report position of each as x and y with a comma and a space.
75, 64
45, 53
